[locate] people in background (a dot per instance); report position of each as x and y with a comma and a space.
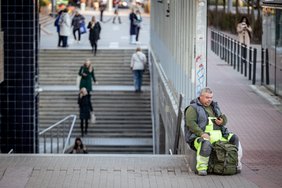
102, 7
79, 147
60, 39
87, 74
116, 15
132, 30
85, 108
138, 62
138, 24
77, 20
94, 33
65, 27
244, 31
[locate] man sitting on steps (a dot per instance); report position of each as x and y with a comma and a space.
202, 115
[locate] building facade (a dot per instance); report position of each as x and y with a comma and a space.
272, 42
178, 58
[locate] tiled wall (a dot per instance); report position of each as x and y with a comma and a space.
17, 91
1, 57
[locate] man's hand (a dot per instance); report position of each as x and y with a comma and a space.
205, 136
219, 121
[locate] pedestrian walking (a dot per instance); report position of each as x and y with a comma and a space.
79, 147
65, 27
77, 22
244, 31
116, 15
132, 30
205, 124
85, 108
60, 39
102, 7
138, 24
94, 33
138, 62
87, 74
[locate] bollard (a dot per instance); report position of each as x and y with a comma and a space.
262, 67
250, 62
266, 67
238, 57
254, 66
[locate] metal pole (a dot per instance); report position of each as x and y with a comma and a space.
266, 67
262, 66
254, 67
238, 57
245, 60
250, 63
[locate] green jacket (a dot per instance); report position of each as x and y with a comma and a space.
196, 122
86, 81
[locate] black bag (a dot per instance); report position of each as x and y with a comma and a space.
223, 159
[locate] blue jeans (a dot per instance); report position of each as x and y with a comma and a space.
137, 75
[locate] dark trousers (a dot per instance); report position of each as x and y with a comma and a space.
101, 15
94, 46
60, 39
81, 126
74, 34
65, 41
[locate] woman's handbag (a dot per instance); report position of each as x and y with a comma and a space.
78, 79
93, 117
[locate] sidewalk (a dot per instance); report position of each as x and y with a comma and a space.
253, 118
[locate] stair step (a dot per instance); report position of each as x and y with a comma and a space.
121, 115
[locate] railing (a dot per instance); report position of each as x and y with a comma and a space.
238, 55
60, 135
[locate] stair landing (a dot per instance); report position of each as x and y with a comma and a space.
107, 171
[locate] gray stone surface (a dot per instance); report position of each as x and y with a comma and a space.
104, 171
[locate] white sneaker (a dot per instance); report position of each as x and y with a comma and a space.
202, 173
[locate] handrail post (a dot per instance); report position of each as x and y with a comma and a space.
44, 137
51, 132
254, 67
58, 143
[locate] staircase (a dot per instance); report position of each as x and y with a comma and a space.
60, 67
123, 117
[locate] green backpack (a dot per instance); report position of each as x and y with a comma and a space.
223, 159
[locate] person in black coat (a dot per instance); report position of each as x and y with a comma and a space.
133, 26
94, 33
85, 107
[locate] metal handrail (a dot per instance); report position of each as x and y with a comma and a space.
49, 129
69, 135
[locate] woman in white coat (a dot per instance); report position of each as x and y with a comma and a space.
65, 27
244, 31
